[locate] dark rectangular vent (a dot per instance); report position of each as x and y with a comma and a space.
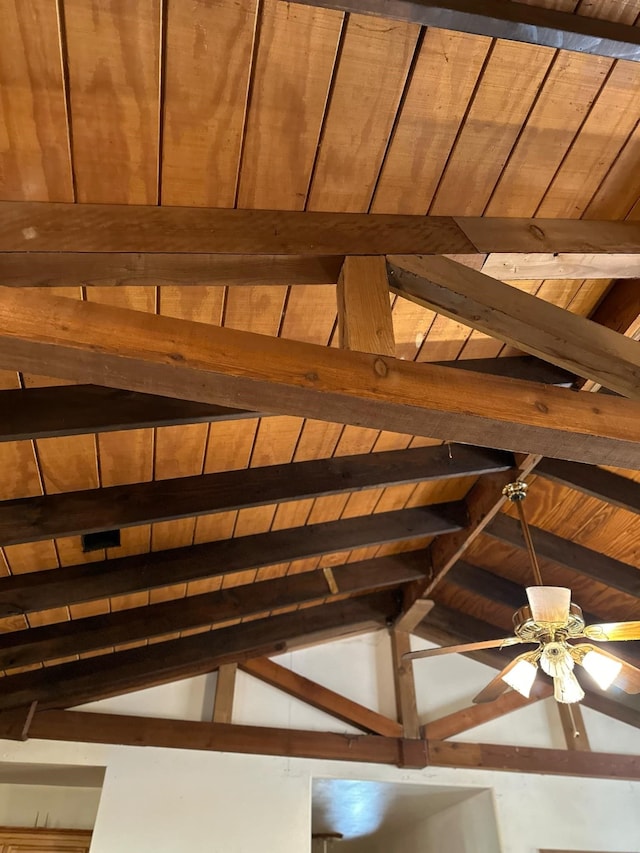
100, 540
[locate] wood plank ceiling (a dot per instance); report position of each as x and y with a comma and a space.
266, 104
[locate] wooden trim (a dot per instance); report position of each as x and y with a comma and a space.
595, 482
90, 727
79, 636
320, 697
504, 20
91, 510
100, 344
364, 309
48, 412
23, 593
531, 324
88, 680
88, 228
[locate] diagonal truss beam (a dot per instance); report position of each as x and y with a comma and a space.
520, 319
177, 358
27, 413
504, 19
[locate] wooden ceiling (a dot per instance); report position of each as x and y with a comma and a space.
270, 105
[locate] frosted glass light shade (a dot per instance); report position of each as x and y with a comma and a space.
566, 689
521, 677
603, 670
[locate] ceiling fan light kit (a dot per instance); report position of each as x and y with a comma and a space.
553, 623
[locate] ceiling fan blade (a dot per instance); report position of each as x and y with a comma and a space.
549, 603
462, 647
613, 631
496, 687
629, 677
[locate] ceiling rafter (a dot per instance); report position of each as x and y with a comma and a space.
91, 510
606, 486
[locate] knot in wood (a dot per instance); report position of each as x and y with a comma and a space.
380, 367
537, 232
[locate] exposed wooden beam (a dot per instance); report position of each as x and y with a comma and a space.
88, 727
16, 722
90, 510
573, 727
100, 344
592, 564
405, 688
468, 718
27, 413
534, 325
322, 698
59, 227
48, 412
219, 737
620, 309
523, 759
593, 481
23, 593
505, 20
114, 269
364, 310
225, 693
83, 681
79, 636
525, 267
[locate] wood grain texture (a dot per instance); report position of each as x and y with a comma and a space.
476, 715
526, 322
404, 684
34, 153
364, 310
225, 692
173, 357
604, 485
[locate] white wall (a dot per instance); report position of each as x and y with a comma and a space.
165, 801
53, 806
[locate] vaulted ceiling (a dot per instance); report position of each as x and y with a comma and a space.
276, 106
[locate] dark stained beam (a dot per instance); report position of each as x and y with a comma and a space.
112, 269
593, 481
504, 19
28, 413
59, 227
527, 322
91, 679
49, 412
26, 592
564, 552
91, 510
523, 759
219, 737
76, 637
80, 727
95, 343
15, 723
321, 697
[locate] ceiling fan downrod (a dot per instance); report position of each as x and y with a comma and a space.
516, 493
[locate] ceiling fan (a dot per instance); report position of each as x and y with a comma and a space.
552, 623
